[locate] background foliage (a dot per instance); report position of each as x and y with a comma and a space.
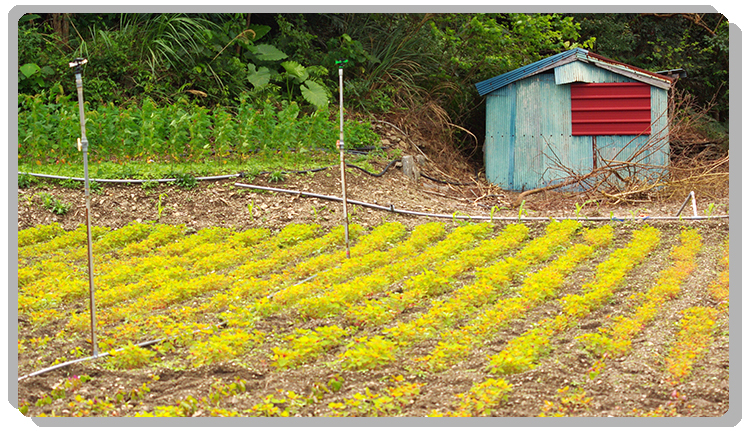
204, 69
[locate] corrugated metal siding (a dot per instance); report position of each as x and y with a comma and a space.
529, 132
576, 71
500, 116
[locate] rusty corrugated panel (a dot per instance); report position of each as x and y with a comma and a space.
651, 78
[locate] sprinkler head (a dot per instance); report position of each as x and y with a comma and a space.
78, 63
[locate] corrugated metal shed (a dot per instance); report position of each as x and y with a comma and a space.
529, 134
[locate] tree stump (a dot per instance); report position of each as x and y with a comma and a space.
409, 168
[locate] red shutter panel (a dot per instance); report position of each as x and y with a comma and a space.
610, 109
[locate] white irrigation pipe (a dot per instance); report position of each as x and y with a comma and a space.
75, 361
468, 217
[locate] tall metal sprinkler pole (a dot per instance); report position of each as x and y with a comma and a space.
341, 151
83, 145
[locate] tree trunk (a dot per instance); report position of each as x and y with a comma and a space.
61, 25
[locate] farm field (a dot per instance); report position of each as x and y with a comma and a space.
624, 319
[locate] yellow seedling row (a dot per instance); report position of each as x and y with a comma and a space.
174, 279
692, 341
163, 285
538, 287
614, 340
238, 298
388, 402
335, 300
459, 238
232, 296
264, 295
431, 283
377, 251
719, 288
39, 234
76, 238
462, 302
282, 256
488, 281
480, 400
218, 256
523, 352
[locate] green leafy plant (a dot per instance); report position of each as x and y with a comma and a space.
160, 205
709, 211
25, 181
149, 185
521, 210
185, 181
54, 204
276, 177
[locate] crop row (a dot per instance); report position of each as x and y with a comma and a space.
525, 351
535, 289
444, 291
180, 131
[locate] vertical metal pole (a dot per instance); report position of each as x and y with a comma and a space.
84, 146
341, 151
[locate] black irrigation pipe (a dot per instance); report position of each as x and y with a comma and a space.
468, 217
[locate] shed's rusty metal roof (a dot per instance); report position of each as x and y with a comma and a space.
576, 54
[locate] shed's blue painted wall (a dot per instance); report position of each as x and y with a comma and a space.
528, 130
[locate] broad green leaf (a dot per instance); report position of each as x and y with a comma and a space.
28, 17
258, 77
267, 52
295, 70
314, 93
29, 69
260, 30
